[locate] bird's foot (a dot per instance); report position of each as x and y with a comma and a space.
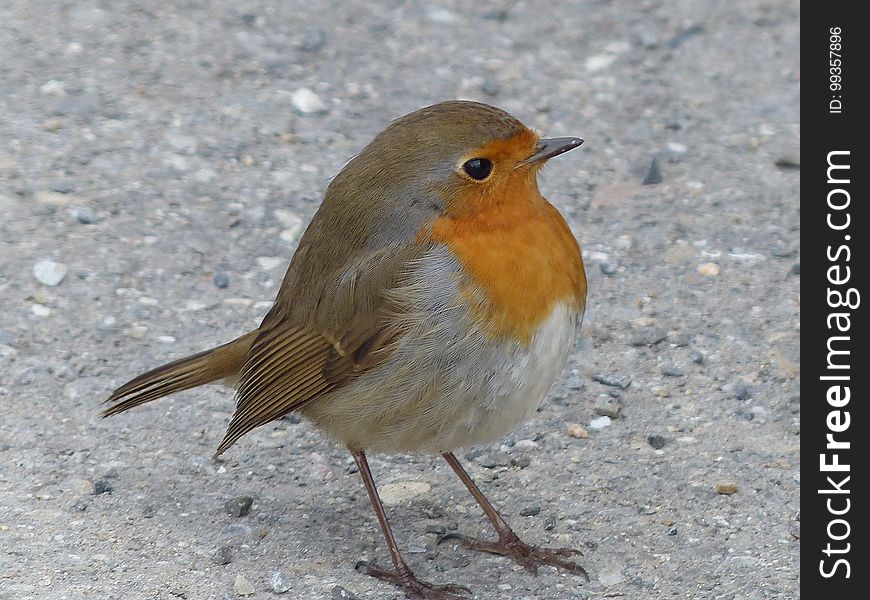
525, 554
415, 589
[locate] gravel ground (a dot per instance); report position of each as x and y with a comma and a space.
158, 162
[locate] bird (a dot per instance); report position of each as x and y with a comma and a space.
429, 306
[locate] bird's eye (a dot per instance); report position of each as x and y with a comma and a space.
478, 168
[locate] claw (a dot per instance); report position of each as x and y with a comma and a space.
415, 589
526, 555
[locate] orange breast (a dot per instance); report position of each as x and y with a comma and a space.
521, 260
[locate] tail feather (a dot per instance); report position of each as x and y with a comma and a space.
191, 371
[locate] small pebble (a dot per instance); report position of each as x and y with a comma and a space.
788, 162
221, 280
222, 556
83, 487
84, 215
490, 87
101, 486
576, 430
278, 583
662, 391
613, 379
708, 269
599, 62
696, 357
726, 488
267, 263
436, 528
307, 102
526, 445
312, 39
521, 462
689, 30
243, 587
530, 511
672, 530
672, 372
610, 576
339, 593
550, 523
609, 267
599, 423
39, 310
398, 492
239, 506
49, 273
53, 124
648, 336
743, 391
137, 332
607, 405
656, 441
653, 174
681, 339
492, 460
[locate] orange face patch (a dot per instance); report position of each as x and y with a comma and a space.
521, 260
505, 181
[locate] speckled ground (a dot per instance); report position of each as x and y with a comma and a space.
157, 152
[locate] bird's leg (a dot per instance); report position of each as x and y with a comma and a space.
508, 543
402, 576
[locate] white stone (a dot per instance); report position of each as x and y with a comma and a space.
137, 332
600, 423
53, 87
40, 311
243, 587
599, 62
307, 102
400, 491
267, 263
278, 583
526, 445
48, 272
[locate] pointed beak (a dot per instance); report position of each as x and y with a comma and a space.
548, 148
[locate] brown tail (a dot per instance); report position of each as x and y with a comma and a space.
182, 374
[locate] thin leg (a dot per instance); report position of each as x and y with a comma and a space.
508, 543
402, 576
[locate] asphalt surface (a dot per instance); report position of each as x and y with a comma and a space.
157, 164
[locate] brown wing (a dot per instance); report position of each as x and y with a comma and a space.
290, 365
285, 369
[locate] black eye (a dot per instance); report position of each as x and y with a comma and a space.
478, 168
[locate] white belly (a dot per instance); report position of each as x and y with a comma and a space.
517, 383
446, 385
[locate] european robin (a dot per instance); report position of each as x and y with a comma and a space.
430, 305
